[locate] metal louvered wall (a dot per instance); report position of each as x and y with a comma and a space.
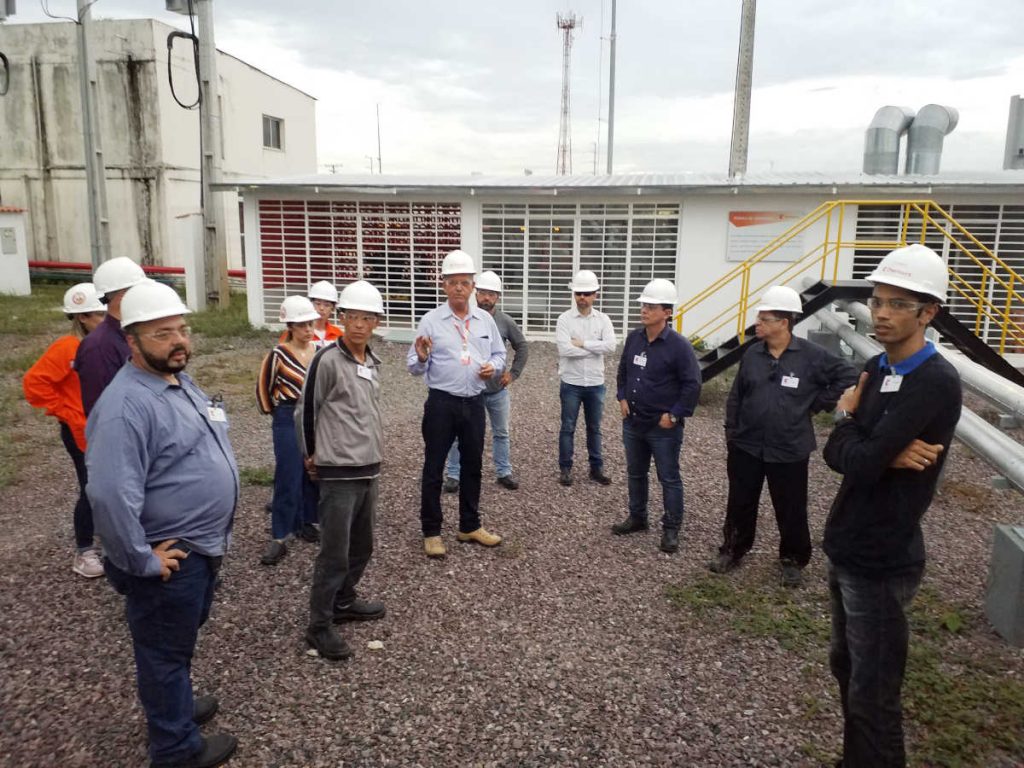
536, 249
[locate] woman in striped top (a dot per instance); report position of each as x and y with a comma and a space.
293, 511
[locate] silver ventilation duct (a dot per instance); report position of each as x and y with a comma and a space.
882, 140
1014, 158
924, 140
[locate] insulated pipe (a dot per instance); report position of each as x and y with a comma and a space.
882, 140
1002, 453
976, 378
924, 141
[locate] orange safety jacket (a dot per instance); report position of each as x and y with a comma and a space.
52, 383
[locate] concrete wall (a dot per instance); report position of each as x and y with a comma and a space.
150, 144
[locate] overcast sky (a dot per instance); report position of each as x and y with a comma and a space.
469, 86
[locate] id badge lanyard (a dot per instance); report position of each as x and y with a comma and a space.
464, 335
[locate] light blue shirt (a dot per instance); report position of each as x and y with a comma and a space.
160, 467
444, 368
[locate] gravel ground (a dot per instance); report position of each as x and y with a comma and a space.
558, 648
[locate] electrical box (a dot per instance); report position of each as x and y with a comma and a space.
176, 6
14, 276
1004, 604
6, 9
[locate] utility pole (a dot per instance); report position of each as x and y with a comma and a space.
741, 103
611, 91
95, 169
215, 269
379, 167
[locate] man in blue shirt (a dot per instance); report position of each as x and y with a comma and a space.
163, 484
658, 384
457, 350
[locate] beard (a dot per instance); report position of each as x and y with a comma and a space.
486, 306
165, 364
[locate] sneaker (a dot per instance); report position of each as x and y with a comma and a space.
509, 482
629, 525
600, 477
214, 750
724, 563
480, 536
87, 563
274, 553
434, 546
791, 576
328, 643
565, 477
451, 485
309, 532
204, 708
359, 610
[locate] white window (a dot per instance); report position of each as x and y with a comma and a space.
273, 132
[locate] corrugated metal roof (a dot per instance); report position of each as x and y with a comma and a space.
630, 183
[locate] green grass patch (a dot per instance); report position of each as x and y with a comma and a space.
19, 362
256, 475
220, 323
39, 313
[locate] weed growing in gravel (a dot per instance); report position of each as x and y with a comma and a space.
38, 313
221, 323
256, 475
960, 707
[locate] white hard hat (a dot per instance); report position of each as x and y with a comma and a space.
658, 291
297, 309
458, 263
324, 291
150, 300
914, 268
117, 274
362, 296
584, 282
488, 281
780, 298
82, 298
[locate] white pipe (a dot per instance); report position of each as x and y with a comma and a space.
1001, 452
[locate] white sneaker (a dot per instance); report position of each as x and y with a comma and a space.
88, 564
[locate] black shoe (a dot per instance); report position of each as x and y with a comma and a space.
670, 540
310, 533
451, 485
724, 563
268, 508
359, 610
600, 477
204, 708
507, 481
629, 525
565, 478
274, 553
328, 643
215, 750
791, 576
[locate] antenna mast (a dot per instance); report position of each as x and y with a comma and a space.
563, 161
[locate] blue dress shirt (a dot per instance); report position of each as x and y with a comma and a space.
656, 377
443, 368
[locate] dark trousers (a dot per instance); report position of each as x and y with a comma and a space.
347, 511
164, 619
787, 485
445, 418
84, 533
295, 495
868, 655
592, 400
664, 446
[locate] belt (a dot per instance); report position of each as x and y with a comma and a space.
450, 396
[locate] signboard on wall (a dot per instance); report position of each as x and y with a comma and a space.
751, 231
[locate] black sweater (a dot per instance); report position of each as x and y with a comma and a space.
874, 527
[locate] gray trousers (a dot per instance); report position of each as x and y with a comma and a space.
347, 511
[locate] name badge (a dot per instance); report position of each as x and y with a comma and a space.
792, 382
216, 413
640, 360
364, 373
465, 358
892, 383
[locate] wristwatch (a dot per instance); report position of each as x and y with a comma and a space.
673, 418
839, 415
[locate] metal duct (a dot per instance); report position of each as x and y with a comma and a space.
1014, 157
882, 140
924, 140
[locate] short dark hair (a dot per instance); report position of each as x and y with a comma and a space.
789, 317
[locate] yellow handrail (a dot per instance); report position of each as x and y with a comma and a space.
994, 272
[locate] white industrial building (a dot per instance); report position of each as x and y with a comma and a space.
150, 144
535, 232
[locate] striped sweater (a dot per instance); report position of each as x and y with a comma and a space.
280, 380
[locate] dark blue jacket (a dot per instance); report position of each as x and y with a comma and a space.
656, 377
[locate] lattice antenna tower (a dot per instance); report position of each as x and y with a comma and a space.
563, 161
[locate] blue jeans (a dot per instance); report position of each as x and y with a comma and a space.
497, 406
295, 495
164, 619
664, 445
592, 399
84, 536
868, 655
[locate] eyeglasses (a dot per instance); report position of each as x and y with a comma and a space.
762, 320
352, 318
166, 335
896, 305
585, 293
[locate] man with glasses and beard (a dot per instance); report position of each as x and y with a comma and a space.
163, 485
781, 383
